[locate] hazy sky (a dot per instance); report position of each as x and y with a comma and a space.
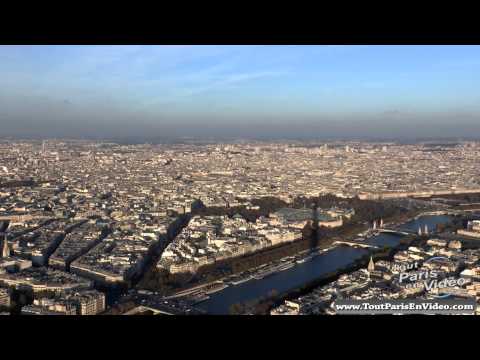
109, 91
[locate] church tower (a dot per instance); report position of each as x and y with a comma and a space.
371, 265
5, 248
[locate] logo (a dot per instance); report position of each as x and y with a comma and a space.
428, 277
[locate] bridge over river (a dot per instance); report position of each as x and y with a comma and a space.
397, 231
356, 244
367, 245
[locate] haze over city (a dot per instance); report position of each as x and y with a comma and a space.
239, 91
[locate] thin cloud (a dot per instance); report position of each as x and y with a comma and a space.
234, 79
216, 82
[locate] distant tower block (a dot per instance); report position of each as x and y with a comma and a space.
425, 231
420, 231
374, 225
381, 223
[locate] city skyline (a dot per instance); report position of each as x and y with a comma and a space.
94, 227
239, 91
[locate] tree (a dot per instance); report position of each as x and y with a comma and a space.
273, 293
440, 227
236, 309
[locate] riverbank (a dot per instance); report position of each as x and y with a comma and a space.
324, 267
245, 267
264, 307
386, 253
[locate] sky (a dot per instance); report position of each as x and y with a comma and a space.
240, 91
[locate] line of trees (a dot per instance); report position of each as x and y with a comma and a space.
256, 306
17, 183
365, 210
267, 205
